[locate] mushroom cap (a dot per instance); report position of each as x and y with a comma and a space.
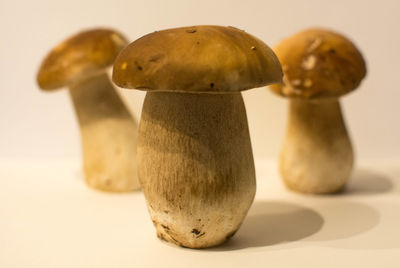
318, 63
81, 55
197, 59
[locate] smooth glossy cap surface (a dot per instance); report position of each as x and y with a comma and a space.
197, 59
81, 55
318, 63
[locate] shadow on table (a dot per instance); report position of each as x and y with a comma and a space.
367, 182
272, 223
345, 219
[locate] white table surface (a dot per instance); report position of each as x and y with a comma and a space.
49, 218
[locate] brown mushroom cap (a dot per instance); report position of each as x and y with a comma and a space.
81, 55
318, 63
197, 59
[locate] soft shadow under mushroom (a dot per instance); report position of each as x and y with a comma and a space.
271, 223
366, 182
345, 219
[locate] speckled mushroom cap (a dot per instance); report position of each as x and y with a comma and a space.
197, 59
81, 55
318, 63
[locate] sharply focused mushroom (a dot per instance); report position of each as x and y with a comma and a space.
195, 160
108, 130
319, 66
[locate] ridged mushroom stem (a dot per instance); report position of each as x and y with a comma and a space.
195, 166
109, 135
317, 156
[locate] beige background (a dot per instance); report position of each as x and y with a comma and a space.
36, 124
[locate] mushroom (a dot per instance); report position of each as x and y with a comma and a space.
108, 130
195, 161
319, 66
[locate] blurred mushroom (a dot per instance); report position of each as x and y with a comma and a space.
319, 66
195, 161
109, 132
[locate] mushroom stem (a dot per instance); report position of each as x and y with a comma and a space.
317, 155
108, 135
195, 166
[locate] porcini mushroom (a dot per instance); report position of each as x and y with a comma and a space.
319, 66
195, 160
108, 131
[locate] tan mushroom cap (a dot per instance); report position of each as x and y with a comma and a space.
197, 59
81, 55
318, 63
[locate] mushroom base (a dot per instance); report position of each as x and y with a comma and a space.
195, 166
317, 155
109, 135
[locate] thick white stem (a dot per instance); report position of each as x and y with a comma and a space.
317, 155
196, 166
109, 135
